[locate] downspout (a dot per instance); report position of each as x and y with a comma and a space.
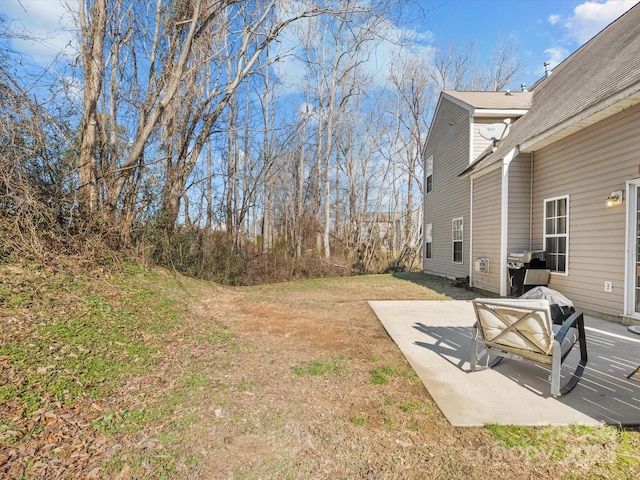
471, 157
471, 204
504, 213
471, 235
531, 201
504, 219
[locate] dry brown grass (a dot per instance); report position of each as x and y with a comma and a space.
295, 380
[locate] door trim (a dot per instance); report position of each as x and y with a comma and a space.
630, 267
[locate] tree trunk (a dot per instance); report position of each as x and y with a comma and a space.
93, 28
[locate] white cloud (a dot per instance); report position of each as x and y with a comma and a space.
554, 19
49, 25
556, 55
585, 21
591, 17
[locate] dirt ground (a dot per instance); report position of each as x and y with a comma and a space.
345, 424
286, 381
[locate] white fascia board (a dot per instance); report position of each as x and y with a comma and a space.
496, 112
601, 110
458, 102
433, 119
485, 112
487, 169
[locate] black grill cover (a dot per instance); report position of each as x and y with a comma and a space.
561, 307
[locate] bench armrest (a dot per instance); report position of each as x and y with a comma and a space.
575, 320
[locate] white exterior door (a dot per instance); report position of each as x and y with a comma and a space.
632, 284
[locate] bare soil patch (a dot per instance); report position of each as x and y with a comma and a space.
371, 418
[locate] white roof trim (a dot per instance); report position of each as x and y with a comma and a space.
459, 102
495, 112
434, 116
484, 112
486, 169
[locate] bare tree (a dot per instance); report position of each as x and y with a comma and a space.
455, 68
181, 121
503, 66
334, 53
411, 81
93, 26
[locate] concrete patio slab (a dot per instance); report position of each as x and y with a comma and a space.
435, 337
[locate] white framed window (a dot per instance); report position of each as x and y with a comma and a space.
556, 233
457, 230
428, 239
428, 175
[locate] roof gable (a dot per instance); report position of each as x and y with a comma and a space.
483, 101
482, 104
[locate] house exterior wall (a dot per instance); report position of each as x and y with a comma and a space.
519, 204
487, 219
450, 198
587, 166
480, 143
486, 207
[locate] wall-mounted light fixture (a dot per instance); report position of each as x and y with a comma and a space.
615, 198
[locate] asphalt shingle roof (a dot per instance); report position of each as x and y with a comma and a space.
602, 68
494, 100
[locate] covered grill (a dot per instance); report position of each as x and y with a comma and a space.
561, 307
527, 270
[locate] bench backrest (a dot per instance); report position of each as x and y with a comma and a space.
519, 325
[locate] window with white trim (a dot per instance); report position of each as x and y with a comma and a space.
556, 233
428, 239
457, 239
428, 177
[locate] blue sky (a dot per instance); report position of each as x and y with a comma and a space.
541, 29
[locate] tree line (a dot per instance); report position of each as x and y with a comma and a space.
238, 140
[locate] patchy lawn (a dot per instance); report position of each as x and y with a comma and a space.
142, 374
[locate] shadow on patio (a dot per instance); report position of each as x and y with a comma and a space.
435, 337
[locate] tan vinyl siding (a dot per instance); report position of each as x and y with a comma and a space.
519, 205
449, 145
479, 143
486, 229
588, 166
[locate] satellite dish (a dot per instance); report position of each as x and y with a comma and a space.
494, 131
